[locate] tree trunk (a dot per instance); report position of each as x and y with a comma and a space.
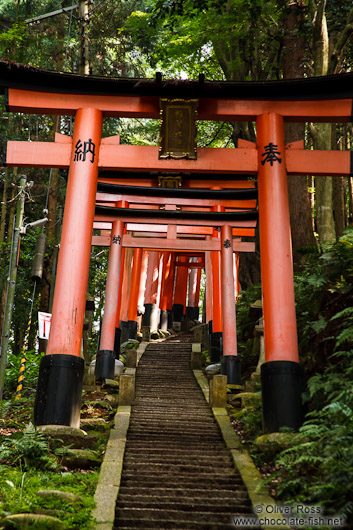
325, 222
298, 194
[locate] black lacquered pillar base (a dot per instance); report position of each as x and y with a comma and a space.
105, 364
230, 366
170, 319
132, 329
282, 387
146, 319
192, 313
58, 398
124, 326
216, 346
178, 311
117, 342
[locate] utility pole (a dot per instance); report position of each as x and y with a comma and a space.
11, 281
83, 68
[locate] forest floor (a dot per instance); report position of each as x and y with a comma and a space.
32, 463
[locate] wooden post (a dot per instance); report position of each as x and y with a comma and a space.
180, 291
281, 373
105, 361
230, 361
217, 325
61, 370
134, 291
149, 317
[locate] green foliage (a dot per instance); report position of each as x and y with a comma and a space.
319, 466
30, 449
18, 494
30, 374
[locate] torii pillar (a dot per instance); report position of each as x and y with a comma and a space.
58, 399
281, 374
150, 317
180, 290
105, 361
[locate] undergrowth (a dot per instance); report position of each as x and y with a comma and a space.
318, 466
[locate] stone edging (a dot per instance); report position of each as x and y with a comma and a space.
242, 460
110, 472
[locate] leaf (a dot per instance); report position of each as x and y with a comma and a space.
347, 312
319, 325
10, 483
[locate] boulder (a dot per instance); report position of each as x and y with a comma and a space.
81, 458
75, 438
57, 494
213, 369
23, 520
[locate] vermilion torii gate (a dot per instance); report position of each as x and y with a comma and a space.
326, 99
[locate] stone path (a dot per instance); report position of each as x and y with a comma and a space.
178, 473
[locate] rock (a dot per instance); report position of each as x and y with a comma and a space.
248, 399
76, 438
130, 344
96, 424
81, 458
280, 439
213, 369
63, 495
112, 400
110, 383
23, 520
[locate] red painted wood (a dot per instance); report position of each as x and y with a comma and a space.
276, 248
74, 255
29, 101
112, 288
145, 158
228, 296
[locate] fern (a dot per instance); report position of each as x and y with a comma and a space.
31, 449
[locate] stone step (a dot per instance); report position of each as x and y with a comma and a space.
151, 480
126, 514
221, 495
190, 505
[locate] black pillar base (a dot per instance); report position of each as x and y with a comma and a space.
178, 311
124, 326
117, 342
146, 319
208, 336
132, 329
196, 313
282, 386
58, 398
170, 319
105, 363
164, 320
189, 313
230, 366
216, 346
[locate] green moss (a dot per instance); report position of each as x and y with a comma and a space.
18, 494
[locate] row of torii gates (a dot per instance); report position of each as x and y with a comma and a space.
114, 188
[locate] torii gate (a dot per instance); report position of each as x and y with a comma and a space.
325, 99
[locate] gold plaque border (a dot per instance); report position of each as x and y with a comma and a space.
164, 151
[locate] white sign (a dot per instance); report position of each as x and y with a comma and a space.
44, 320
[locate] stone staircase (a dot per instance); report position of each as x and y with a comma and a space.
178, 473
